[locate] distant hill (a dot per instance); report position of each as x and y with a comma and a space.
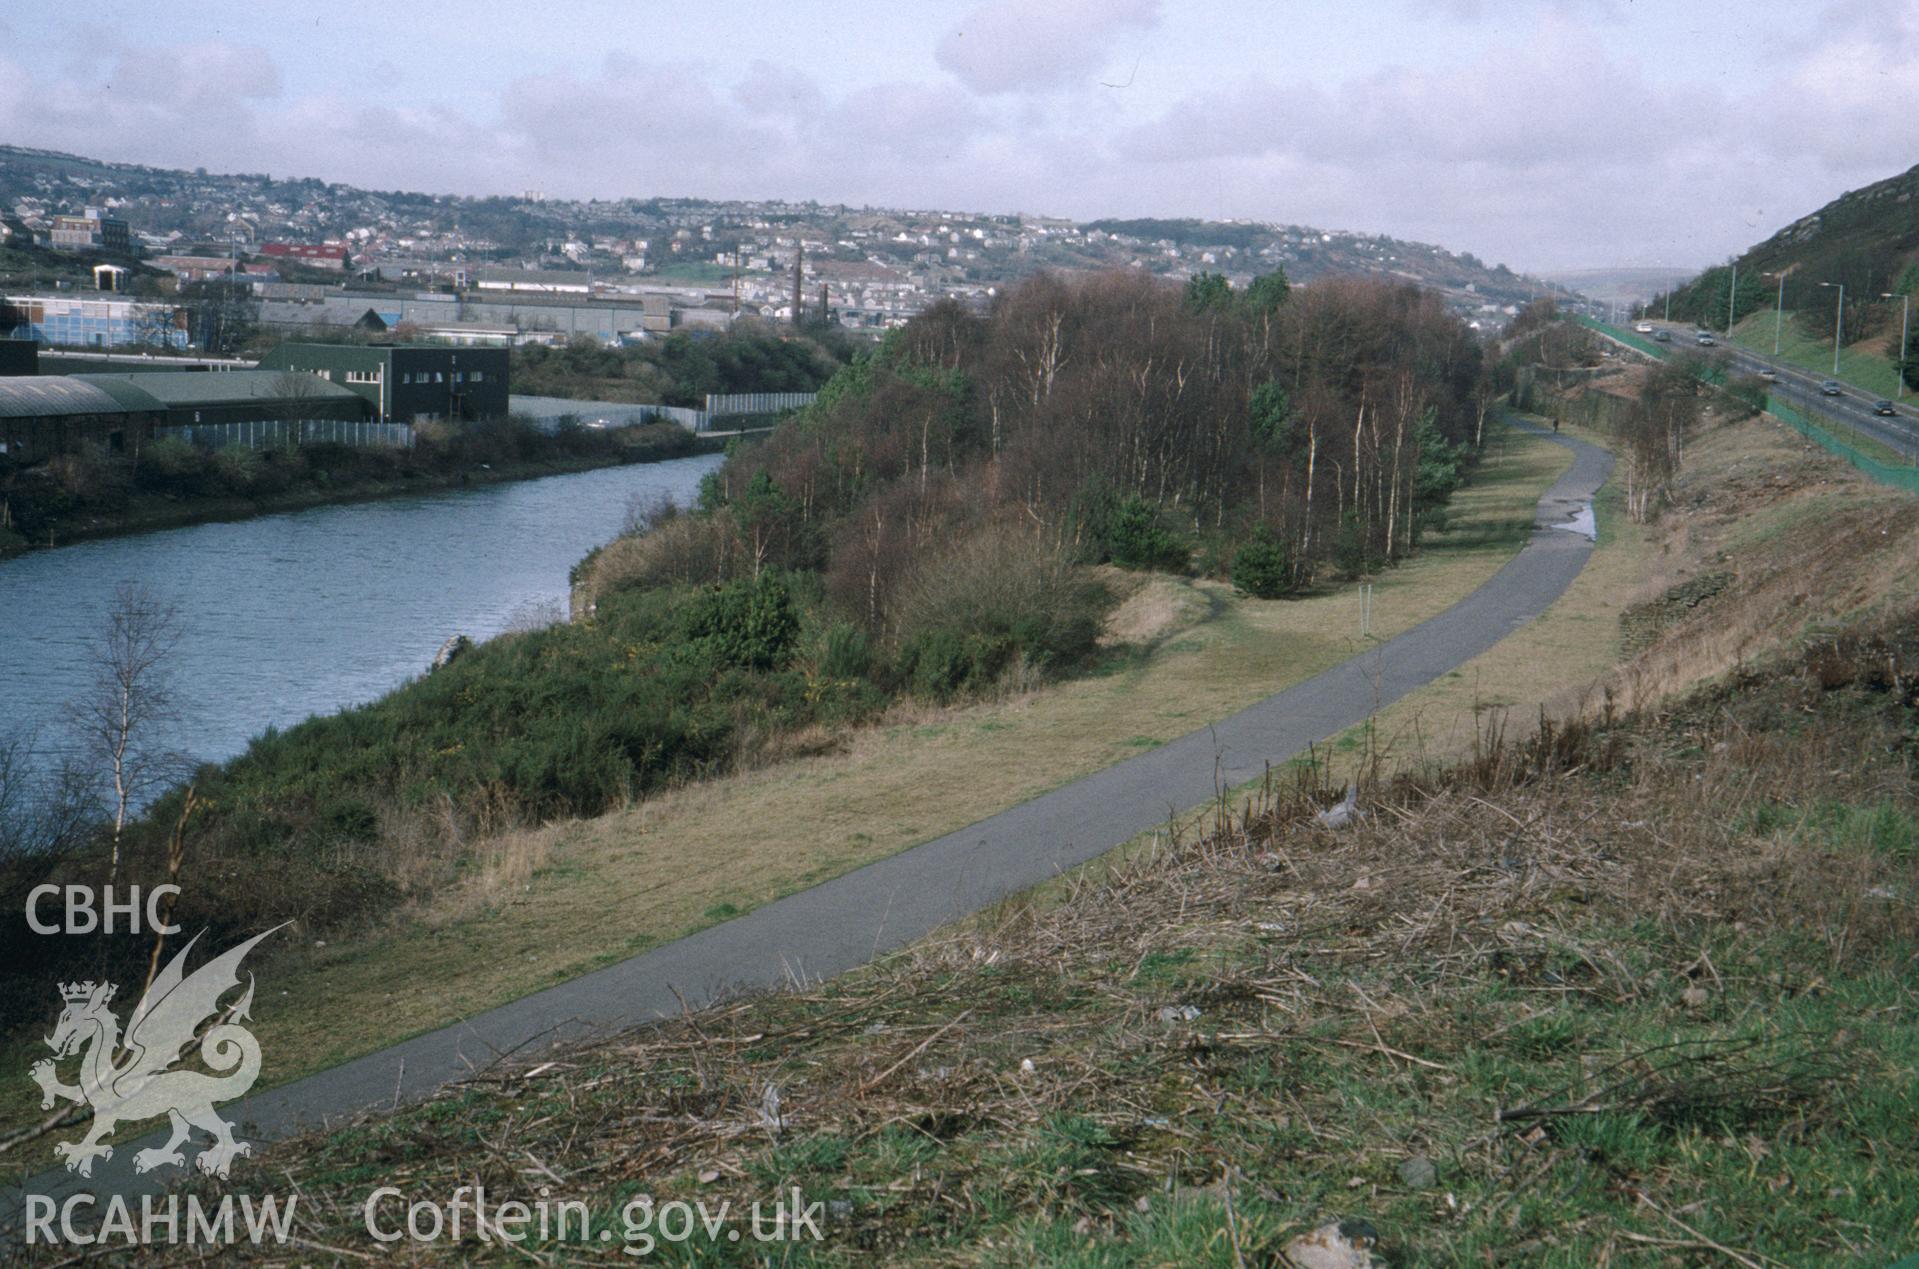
1625, 285
1866, 240
943, 252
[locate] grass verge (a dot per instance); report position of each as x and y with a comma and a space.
1644, 988
1193, 652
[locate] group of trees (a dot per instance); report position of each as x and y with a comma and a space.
1112, 418
1653, 431
681, 369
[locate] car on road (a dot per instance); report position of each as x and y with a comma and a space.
1883, 407
1703, 340
1830, 388
1663, 336
1644, 328
1769, 375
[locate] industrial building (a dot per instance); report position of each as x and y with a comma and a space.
536, 281
45, 415
330, 256
407, 382
97, 322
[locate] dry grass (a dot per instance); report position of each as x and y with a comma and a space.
1805, 541
704, 852
1615, 987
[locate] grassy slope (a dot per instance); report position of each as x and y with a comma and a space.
1650, 995
668, 867
1865, 364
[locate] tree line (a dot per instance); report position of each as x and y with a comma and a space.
1113, 418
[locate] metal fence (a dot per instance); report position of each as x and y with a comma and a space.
721, 404
1804, 415
279, 433
1825, 432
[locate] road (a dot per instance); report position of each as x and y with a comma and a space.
1851, 408
848, 921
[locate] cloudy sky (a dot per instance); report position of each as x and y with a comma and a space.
1545, 134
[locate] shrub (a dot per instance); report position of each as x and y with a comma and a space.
173, 467
749, 624
999, 596
1140, 540
1263, 568
691, 549
237, 468
1353, 552
1746, 394
844, 652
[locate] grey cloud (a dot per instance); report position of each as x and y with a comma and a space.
769, 89
1024, 45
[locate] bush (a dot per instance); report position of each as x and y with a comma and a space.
998, 597
748, 624
1353, 552
1140, 540
1263, 568
238, 468
173, 467
1746, 395
844, 652
688, 548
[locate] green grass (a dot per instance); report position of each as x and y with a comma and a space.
676, 859
1858, 365
1675, 1024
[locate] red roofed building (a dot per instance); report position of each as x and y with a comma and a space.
331, 256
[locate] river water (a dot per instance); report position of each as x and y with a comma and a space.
286, 616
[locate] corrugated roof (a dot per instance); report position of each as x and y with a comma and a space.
54, 396
224, 387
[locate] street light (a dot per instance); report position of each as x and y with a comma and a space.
1778, 310
1732, 300
1905, 321
1838, 324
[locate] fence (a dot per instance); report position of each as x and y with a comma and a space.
721, 404
278, 433
1803, 415
1799, 420
1626, 337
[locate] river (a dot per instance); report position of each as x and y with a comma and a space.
286, 616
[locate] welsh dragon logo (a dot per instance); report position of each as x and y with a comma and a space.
127, 1078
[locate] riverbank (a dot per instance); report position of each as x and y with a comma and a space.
148, 512
1179, 652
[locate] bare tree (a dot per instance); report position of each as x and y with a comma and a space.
155, 324
119, 720
43, 811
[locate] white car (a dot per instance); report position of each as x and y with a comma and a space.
1644, 328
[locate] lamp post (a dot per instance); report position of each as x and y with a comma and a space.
1905, 322
1838, 324
1778, 310
1732, 300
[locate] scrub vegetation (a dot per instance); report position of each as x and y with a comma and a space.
1640, 985
93, 493
942, 526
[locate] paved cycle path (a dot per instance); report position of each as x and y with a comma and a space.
850, 920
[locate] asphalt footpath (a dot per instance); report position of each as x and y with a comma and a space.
852, 919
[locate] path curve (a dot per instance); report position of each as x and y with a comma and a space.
850, 920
